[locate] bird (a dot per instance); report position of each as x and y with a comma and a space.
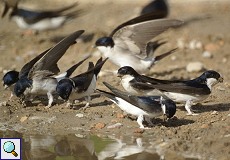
82, 85
182, 91
41, 78
158, 7
127, 44
11, 77
140, 106
39, 20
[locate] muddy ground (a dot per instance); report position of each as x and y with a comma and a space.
205, 136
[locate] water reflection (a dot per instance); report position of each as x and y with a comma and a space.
91, 147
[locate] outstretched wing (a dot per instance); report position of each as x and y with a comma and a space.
82, 81
49, 61
26, 68
136, 33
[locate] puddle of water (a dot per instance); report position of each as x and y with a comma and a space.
90, 147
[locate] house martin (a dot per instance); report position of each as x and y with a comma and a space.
40, 79
126, 45
39, 20
188, 92
140, 106
11, 77
80, 86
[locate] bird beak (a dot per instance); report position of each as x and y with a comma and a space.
22, 97
221, 79
119, 75
5, 86
6, 8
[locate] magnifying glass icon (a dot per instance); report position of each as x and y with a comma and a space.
9, 147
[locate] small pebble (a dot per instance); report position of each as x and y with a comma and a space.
173, 58
3, 103
207, 54
23, 119
119, 115
205, 126
214, 113
180, 43
195, 67
220, 88
227, 135
194, 44
211, 47
116, 125
139, 130
99, 125
79, 115
79, 135
224, 60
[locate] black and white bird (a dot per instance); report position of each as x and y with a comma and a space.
160, 8
39, 20
11, 77
80, 86
140, 106
188, 92
40, 79
127, 45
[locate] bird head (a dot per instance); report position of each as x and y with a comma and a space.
126, 70
210, 78
105, 42
64, 88
10, 78
21, 86
168, 107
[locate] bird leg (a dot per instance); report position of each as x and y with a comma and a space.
140, 119
188, 106
68, 104
88, 99
50, 100
11, 96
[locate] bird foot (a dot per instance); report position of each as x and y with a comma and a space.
84, 108
47, 107
192, 114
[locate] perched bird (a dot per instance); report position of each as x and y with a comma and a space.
11, 77
140, 106
158, 7
127, 44
39, 20
82, 85
40, 79
188, 92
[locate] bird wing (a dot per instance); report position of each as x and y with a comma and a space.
186, 87
136, 33
49, 60
82, 81
144, 103
26, 68
32, 17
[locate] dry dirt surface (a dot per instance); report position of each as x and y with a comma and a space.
205, 136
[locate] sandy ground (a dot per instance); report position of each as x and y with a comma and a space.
206, 136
